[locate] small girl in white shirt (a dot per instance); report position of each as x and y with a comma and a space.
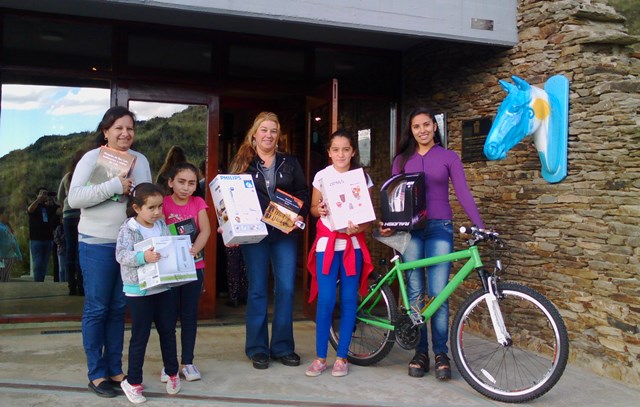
155, 305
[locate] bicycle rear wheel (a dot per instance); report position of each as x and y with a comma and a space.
369, 343
527, 368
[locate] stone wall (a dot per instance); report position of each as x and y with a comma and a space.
577, 241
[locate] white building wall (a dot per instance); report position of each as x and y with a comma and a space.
482, 21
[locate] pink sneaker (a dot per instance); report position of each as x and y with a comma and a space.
133, 392
340, 368
173, 384
316, 368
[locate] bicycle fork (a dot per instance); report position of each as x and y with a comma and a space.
502, 336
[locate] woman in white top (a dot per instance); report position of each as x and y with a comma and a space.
103, 210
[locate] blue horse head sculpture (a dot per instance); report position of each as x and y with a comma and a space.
529, 110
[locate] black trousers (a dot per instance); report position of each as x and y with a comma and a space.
159, 309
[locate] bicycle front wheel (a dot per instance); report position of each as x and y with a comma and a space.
369, 343
530, 365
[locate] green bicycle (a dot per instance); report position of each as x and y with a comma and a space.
508, 341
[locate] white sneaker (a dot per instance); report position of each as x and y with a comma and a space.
133, 392
191, 373
173, 384
163, 376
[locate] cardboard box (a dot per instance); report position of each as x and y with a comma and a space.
176, 267
347, 197
403, 204
237, 209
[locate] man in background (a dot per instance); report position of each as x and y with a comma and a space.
42, 222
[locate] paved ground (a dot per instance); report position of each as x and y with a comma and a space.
44, 365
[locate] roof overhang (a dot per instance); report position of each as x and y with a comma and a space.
395, 25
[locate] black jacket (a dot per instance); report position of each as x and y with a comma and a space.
289, 178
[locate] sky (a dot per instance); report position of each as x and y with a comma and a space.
30, 112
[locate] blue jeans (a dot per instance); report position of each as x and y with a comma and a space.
40, 251
187, 297
74, 274
281, 254
62, 268
145, 310
327, 300
435, 239
104, 306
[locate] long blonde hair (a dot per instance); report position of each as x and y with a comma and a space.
247, 151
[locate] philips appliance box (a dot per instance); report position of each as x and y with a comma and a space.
237, 209
176, 265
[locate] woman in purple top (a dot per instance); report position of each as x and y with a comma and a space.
421, 150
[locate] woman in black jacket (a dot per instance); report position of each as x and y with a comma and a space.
270, 169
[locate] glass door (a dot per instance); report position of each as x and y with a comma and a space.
194, 128
44, 128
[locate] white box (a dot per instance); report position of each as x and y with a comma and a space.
237, 209
347, 197
176, 266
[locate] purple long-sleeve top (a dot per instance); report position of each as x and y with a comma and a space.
439, 165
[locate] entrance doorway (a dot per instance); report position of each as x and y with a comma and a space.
236, 118
124, 94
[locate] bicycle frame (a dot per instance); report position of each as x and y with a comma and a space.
473, 262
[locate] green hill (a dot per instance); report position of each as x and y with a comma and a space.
44, 163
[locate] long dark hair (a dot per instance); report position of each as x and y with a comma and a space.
185, 165
175, 155
408, 143
355, 160
110, 116
140, 194
75, 158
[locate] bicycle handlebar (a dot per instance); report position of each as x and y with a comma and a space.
479, 235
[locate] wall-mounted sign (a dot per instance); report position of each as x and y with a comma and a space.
364, 147
441, 120
474, 134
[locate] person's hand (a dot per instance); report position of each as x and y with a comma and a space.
322, 209
42, 197
298, 222
219, 230
151, 256
127, 184
384, 232
352, 229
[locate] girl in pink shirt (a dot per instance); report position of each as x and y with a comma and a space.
188, 214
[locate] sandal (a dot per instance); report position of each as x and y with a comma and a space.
443, 367
419, 365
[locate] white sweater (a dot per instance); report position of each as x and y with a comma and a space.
100, 216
